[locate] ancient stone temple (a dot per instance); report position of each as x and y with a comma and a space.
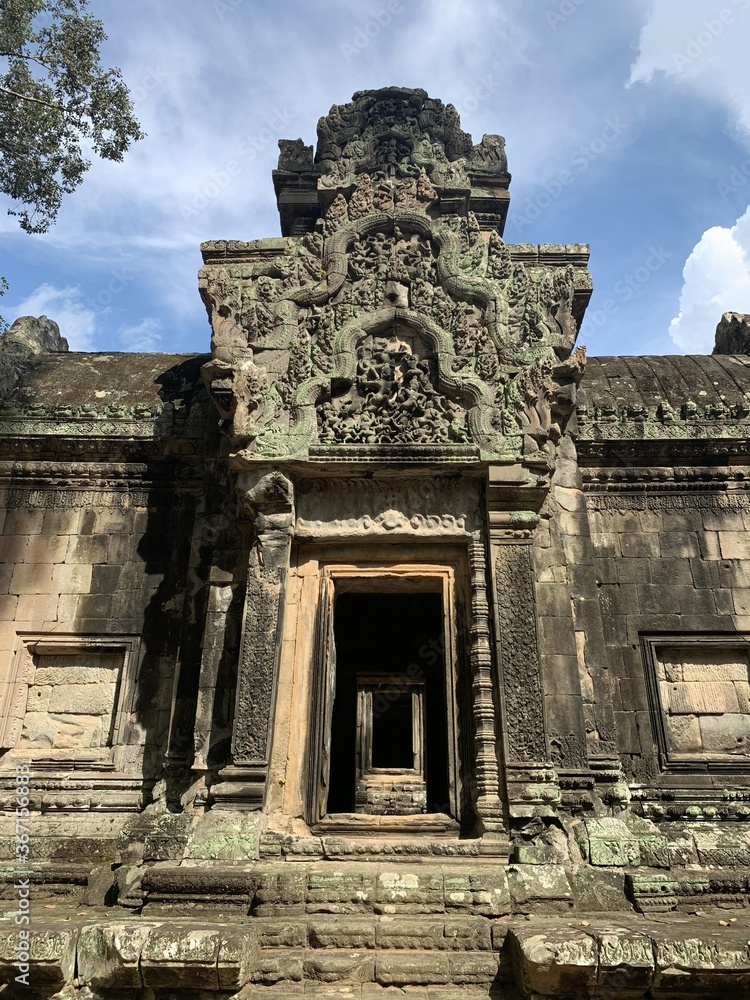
390, 649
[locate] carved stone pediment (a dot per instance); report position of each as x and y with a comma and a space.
399, 319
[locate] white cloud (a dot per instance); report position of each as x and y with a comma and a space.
716, 280
143, 336
701, 45
66, 307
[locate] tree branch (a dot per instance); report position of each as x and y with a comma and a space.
26, 58
34, 100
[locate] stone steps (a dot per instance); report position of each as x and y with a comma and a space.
283, 889
418, 933
422, 957
387, 967
286, 890
384, 950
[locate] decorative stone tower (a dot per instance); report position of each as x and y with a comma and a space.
390, 371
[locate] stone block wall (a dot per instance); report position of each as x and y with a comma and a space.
397, 797
678, 568
705, 696
572, 652
101, 566
71, 701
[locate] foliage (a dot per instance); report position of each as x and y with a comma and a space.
57, 104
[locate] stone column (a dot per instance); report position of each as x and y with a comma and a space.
487, 798
269, 500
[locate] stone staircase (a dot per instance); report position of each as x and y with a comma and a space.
287, 889
381, 950
411, 928
101, 956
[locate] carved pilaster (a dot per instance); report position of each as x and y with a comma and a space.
214, 640
531, 779
269, 501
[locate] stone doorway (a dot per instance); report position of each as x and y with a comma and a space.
389, 723
387, 707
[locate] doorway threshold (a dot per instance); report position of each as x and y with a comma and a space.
358, 837
418, 824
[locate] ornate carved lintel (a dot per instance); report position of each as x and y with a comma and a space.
392, 313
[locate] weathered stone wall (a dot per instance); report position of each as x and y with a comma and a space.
102, 593
705, 697
71, 701
669, 565
96, 572
571, 641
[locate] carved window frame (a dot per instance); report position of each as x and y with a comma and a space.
387, 578
23, 671
672, 762
368, 686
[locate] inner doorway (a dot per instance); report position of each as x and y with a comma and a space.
390, 725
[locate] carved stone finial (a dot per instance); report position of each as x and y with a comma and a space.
733, 334
27, 337
270, 494
408, 146
490, 152
294, 155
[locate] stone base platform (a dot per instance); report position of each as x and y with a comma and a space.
476, 886
101, 955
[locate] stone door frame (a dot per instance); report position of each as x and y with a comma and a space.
385, 577
453, 567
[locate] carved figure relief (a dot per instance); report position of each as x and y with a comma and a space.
393, 399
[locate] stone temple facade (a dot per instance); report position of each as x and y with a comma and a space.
393, 648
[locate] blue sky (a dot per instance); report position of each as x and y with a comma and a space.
627, 125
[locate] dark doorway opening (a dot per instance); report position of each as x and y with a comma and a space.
393, 732
398, 639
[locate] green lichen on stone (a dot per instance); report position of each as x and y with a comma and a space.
224, 835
